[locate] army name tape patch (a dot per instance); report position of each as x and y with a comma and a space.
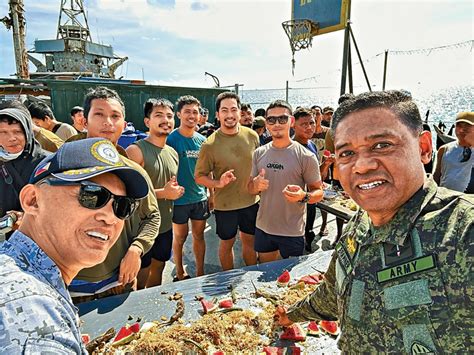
411, 267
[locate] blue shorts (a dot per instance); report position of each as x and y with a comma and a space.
288, 246
161, 249
244, 219
197, 211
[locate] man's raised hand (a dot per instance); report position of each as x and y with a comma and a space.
259, 181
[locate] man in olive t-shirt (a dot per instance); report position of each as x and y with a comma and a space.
228, 155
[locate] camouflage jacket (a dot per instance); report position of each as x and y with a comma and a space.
404, 287
36, 311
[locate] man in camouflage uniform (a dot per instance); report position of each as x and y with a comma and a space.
94, 191
399, 280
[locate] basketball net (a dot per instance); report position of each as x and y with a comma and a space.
299, 33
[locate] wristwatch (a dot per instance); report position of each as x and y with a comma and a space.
306, 198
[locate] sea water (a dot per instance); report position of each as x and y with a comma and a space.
443, 104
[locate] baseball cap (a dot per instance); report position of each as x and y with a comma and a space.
467, 117
86, 158
258, 122
328, 109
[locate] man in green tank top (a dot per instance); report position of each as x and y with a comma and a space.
161, 163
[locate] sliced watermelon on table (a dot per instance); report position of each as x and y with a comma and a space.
313, 329
208, 306
294, 333
329, 326
126, 334
226, 303
284, 279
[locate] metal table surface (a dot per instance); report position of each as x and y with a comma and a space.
153, 303
333, 207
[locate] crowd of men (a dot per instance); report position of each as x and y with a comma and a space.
94, 219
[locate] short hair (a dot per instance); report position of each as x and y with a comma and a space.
10, 120
186, 100
151, 103
345, 97
302, 112
101, 93
397, 101
279, 103
76, 109
227, 95
204, 111
260, 112
40, 110
317, 106
246, 107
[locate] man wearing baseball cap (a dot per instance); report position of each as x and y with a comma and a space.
74, 210
455, 162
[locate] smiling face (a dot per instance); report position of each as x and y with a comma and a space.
88, 235
229, 116
12, 137
189, 116
161, 121
105, 120
380, 161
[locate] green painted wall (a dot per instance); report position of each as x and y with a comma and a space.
67, 94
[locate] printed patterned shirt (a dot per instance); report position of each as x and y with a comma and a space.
36, 311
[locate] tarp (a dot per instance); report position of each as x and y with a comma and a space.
151, 304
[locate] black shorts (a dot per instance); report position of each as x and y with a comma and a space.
288, 246
161, 249
197, 211
244, 219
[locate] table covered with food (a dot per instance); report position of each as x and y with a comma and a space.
338, 203
223, 313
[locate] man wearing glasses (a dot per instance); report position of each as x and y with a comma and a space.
455, 161
286, 175
74, 210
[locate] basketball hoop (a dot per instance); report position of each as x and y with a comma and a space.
300, 33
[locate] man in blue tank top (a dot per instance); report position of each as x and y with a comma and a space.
193, 205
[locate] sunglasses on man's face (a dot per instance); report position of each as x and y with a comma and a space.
94, 196
271, 120
466, 154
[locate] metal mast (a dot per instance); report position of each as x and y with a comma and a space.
69, 23
17, 21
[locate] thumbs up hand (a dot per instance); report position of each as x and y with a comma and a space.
172, 189
259, 181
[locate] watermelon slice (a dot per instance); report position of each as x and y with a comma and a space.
295, 350
313, 329
294, 333
218, 352
208, 306
283, 279
273, 350
226, 303
126, 334
330, 327
85, 338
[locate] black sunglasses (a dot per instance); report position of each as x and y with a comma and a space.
94, 196
271, 120
466, 154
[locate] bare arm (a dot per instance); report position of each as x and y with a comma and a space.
294, 193
135, 153
437, 170
210, 183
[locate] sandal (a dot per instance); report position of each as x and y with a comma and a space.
186, 277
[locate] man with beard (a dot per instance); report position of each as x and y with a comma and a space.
105, 117
193, 205
160, 161
246, 115
286, 175
227, 154
400, 280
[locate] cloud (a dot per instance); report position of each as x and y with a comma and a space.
199, 6
167, 4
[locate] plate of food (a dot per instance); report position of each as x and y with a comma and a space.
330, 194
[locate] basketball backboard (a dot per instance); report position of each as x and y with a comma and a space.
331, 15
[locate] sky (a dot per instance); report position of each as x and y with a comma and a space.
174, 42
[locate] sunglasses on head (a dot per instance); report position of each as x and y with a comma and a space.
94, 196
466, 154
271, 120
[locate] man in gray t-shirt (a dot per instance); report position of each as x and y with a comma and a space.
282, 171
